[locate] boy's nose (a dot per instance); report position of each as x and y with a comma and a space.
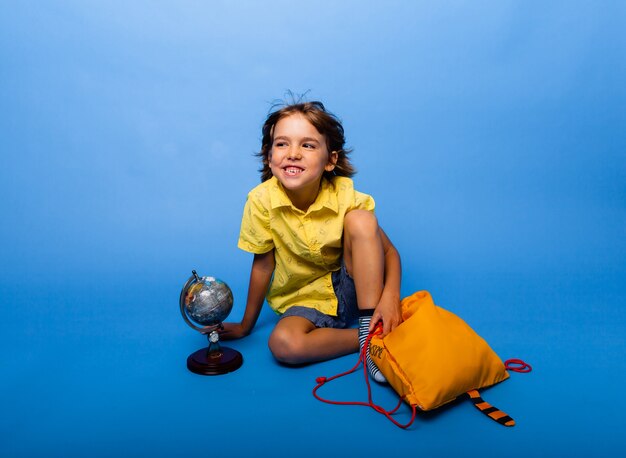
294, 153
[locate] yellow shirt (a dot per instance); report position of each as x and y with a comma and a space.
308, 245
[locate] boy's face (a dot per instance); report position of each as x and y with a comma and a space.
298, 158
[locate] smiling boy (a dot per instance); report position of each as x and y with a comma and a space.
320, 257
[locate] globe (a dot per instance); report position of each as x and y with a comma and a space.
205, 302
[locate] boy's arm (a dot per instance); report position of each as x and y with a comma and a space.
388, 309
260, 276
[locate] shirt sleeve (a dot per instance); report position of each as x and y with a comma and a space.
255, 235
363, 201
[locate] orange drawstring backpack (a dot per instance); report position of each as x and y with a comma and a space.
432, 358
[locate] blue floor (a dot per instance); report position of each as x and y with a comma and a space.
89, 370
491, 137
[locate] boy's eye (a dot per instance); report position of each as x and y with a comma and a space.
279, 144
309, 145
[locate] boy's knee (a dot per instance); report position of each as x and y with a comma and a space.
286, 347
361, 223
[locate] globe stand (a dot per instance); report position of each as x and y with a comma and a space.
214, 359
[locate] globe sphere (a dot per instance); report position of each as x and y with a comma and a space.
205, 301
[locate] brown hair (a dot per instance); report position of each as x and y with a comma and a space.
326, 124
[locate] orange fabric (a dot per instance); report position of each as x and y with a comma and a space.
434, 356
497, 414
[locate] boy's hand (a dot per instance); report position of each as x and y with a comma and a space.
389, 311
232, 331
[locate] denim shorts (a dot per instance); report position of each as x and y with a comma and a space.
347, 308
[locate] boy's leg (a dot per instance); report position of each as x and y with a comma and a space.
295, 340
364, 258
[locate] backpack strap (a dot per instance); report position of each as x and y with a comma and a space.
489, 410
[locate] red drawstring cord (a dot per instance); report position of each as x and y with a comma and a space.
363, 359
517, 365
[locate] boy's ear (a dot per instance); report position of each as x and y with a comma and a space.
332, 161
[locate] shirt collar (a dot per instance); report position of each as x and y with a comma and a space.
326, 198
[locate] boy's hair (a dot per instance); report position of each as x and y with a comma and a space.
325, 122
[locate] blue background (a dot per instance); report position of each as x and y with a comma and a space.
490, 133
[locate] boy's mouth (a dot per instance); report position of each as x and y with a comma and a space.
293, 171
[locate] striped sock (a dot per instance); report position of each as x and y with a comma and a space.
364, 323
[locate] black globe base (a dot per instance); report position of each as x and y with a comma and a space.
216, 362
